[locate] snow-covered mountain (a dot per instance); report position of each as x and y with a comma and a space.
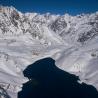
26, 37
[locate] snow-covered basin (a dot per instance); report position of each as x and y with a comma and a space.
16, 56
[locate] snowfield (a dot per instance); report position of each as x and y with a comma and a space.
72, 41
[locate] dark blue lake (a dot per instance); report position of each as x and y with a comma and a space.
48, 81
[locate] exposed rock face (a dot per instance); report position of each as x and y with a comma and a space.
80, 28
3, 93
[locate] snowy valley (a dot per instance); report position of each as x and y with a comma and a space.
72, 41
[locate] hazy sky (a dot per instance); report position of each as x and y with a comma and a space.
54, 6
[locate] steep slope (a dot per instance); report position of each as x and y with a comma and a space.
26, 37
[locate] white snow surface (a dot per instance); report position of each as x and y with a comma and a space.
72, 41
